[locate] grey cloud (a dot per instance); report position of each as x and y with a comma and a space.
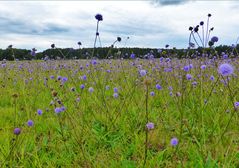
169, 2
16, 26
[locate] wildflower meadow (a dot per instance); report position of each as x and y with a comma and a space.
128, 110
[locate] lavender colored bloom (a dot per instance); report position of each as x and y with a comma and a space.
190, 66
59, 78
91, 89
116, 90
212, 78
39, 112
94, 62
203, 67
186, 68
174, 141
188, 77
142, 72
82, 86
132, 56
84, 77
58, 110
236, 104
115, 95
64, 79
225, 69
30, 123
225, 56
158, 87
52, 77
152, 93
63, 108
214, 39
99, 17
17, 131
150, 125
194, 83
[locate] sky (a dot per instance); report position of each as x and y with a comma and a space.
147, 23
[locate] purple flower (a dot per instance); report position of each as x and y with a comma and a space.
91, 89
132, 56
17, 131
158, 87
152, 93
189, 77
142, 72
64, 79
94, 62
174, 141
30, 123
212, 78
63, 108
225, 69
150, 125
83, 77
214, 39
186, 68
236, 104
58, 110
203, 67
39, 112
116, 90
82, 86
99, 17
115, 95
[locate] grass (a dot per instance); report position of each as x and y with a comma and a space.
103, 131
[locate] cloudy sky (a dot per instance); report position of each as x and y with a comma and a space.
28, 24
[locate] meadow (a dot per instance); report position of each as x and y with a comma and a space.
142, 111
119, 113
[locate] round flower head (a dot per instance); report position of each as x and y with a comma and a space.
115, 95
116, 90
203, 67
39, 112
99, 17
150, 125
201, 23
236, 104
132, 56
53, 46
17, 131
212, 78
119, 39
30, 123
91, 89
158, 87
107, 87
189, 77
214, 39
58, 110
152, 93
142, 72
174, 141
225, 69
186, 68
82, 86
84, 77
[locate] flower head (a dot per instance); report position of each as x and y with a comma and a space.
99, 17
189, 77
174, 141
17, 131
91, 89
39, 112
115, 95
30, 123
150, 125
158, 87
143, 72
225, 69
214, 39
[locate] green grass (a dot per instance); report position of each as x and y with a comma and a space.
103, 131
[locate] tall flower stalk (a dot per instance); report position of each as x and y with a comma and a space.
99, 18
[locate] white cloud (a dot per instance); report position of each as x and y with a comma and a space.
28, 24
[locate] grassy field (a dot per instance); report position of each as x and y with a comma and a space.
112, 113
